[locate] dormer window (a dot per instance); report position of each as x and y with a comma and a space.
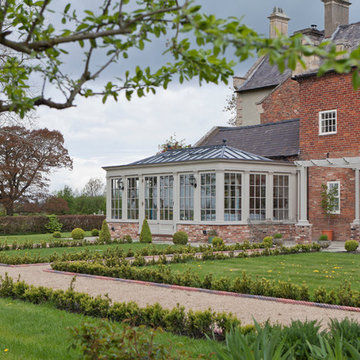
327, 122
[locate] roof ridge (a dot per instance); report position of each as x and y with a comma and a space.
257, 125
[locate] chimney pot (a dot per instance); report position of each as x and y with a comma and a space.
278, 22
336, 14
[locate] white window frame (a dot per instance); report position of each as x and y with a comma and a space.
329, 183
321, 123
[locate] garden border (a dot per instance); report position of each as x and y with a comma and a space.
213, 292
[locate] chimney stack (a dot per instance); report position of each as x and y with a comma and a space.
336, 13
278, 22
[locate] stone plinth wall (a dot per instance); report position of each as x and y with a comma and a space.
118, 230
355, 232
238, 233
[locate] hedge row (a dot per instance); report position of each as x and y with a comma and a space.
196, 324
116, 255
243, 285
10, 225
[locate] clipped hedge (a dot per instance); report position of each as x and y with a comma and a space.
11, 225
242, 285
196, 324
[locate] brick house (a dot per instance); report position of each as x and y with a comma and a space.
304, 132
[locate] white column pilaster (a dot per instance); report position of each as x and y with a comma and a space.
197, 199
292, 197
176, 195
108, 199
141, 200
303, 220
269, 196
124, 198
245, 197
357, 198
220, 195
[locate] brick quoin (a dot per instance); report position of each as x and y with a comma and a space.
282, 103
329, 92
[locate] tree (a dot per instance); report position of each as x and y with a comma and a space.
26, 158
94, 187
37, 48
172, 143
55, 205
230, 107
68, 195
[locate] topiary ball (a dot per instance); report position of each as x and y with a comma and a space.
78, 234
217, 242
56, 234
351, 245
268, 241
94, 232
180, 238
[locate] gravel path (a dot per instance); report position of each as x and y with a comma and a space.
244, 309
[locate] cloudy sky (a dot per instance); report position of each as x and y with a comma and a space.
121, 132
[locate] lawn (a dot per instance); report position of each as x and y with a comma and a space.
92, 248
34, 332
38, 238
316, 269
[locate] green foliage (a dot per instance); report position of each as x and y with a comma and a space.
57, 235
351, 245
268, 241
78, 234
328, 200
128, 239
278, 236
104, 235
180, 238
217, 242
105, 341
145, 235
298, 341
94, 232
53, 224
193, 324
323, 237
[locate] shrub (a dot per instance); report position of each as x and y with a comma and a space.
94, 232
217, 242
351, 245
53, 224
180, 238
145, 235
105, 341
127, 238
57, 234
278, 236
323, 237
78, 234
268, 241
104, 235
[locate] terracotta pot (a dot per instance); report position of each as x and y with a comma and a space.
329, 233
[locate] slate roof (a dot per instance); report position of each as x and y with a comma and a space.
348, 35
264, 75
273, 140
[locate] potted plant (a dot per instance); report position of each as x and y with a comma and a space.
329, 205
211, 234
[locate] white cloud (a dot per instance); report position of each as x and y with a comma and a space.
119, 133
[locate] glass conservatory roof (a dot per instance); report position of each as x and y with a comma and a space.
214, 152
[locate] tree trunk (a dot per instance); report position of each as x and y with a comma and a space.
9, 208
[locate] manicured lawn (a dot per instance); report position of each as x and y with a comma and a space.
34, 332
38, 238
316, 269
92, 248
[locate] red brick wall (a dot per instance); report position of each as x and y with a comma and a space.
118, 230
237, 233
332, 91
230, 233
282, 103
